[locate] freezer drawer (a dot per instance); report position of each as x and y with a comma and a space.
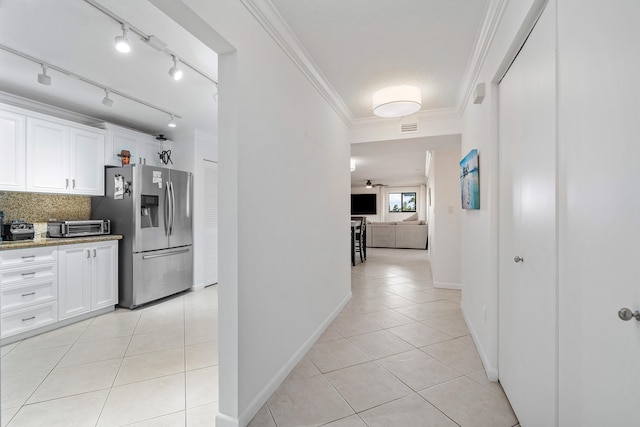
157, 274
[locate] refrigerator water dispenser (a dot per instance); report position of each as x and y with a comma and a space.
148, 211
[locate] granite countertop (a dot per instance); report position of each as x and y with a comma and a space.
48, 241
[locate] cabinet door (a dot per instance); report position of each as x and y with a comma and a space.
87, 163
47, 156
104, 281
150, 150
118, 141
74, 280
12, 147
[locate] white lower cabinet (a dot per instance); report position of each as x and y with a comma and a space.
28, 289
104, 275
42, 286
87, 278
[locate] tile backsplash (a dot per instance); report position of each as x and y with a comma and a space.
40, 208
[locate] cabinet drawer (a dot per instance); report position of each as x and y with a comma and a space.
17, 297
25, 257
24, 320
28, 275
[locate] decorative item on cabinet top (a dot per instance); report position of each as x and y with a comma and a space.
142, 148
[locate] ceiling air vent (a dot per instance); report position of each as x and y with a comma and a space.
409, 124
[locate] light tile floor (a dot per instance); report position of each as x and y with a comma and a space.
154, 366
398, 355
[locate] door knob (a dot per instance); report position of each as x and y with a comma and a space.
518, 259
626, 314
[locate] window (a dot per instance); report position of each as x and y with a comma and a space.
402, 202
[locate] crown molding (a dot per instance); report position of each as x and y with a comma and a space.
271, 20
48, 109
492, 17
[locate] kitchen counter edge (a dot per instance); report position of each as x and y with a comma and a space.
48, 241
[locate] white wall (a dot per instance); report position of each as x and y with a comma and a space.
429, 124
444, 227
479, 228
284, 206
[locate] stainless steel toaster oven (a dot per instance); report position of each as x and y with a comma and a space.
90, 227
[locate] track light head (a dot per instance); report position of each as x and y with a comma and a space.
122, 42
174, 71
43, 78
172, 122
106, 101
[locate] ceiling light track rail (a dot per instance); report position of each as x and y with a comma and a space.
107, 89
149, 39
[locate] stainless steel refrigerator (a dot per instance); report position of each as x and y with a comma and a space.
152, 208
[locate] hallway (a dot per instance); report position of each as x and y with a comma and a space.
399, 354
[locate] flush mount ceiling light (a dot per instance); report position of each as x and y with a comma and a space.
43, 78
172, 122
106, 100
174, 71
397, 101
122, 42
368, 184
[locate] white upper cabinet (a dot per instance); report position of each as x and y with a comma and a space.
47, 156
143, 148
86, 165
64, 159
119, 139
153, 149
12, 147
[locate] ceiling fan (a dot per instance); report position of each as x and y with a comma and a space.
370, 185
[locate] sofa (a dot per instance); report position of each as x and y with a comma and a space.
398, 234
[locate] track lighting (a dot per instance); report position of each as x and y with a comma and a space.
174, 71
43, 78
106, 100
172, 122
122, 42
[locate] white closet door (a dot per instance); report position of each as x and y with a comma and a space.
210, 222
528, 287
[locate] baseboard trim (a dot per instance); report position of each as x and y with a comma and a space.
223, 420
252, 409
446, 285
200, 286
492, 371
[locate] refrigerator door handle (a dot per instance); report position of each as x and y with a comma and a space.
181, 251
166, 209
189, 195
173, 208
